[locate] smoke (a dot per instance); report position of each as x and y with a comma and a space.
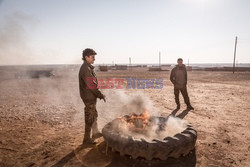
119, 104
14, 37
173, 126
136, 103
156, 129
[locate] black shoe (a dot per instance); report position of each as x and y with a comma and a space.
189, 107
96, 135
178, 107
89, 142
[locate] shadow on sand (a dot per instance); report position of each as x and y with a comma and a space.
182, 114
71, 155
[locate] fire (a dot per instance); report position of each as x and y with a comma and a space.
136, 122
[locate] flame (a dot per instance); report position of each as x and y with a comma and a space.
136, 122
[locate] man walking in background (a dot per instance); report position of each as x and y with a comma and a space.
178, 77
89, 93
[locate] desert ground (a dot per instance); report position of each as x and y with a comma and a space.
42, 120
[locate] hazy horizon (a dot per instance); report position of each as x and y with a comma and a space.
153, 64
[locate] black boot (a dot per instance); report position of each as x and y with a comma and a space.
95, 132
88, 141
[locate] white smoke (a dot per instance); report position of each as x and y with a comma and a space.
120, 103
14, 38
173, 126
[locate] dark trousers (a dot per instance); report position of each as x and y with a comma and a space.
183, 90
90, 119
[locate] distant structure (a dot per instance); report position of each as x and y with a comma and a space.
159, 59
235, 45
156, 68
189, 68
33, 74
121, 67
103, 68
118, 67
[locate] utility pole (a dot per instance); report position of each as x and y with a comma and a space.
130, 61
159, 59
235, 45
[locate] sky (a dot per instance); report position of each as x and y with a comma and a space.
56, 31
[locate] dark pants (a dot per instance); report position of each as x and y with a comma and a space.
90, 119
183, 90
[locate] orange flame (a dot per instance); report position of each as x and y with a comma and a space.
137, 122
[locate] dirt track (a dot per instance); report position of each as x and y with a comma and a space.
42, 120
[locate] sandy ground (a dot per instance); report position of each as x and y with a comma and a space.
42, 120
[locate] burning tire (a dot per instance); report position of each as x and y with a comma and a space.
180, 144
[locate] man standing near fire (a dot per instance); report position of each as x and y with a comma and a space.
178, 77
89, 93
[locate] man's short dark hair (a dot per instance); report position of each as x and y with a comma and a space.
87, 52
180, 59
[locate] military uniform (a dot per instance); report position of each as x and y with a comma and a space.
89, 93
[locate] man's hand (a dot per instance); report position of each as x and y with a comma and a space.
104, 98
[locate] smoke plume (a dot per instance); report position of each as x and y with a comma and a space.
14, 39
119, 104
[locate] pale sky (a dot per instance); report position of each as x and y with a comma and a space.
56, 31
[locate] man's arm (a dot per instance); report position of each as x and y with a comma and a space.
94, 90
185, 76
172, 77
